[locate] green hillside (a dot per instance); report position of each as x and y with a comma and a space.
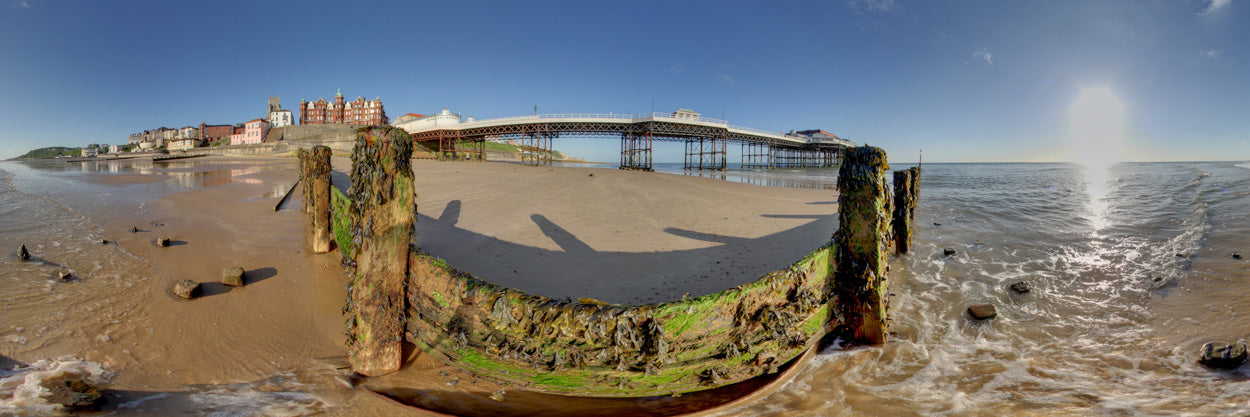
50, 152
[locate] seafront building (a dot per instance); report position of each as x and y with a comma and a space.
188, 133
253, 132
356, 112
210, 133
413, 122
182, 144
276, 115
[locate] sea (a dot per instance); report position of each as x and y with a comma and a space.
1132, 268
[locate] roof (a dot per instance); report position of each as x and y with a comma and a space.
256, 120
415, 115
817, 131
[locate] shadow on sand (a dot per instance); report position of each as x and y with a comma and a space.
618, 277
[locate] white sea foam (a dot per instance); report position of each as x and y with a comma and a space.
280, 396
22, 393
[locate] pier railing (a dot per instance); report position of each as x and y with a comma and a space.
626, 118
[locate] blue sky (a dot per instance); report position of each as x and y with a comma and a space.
964, 81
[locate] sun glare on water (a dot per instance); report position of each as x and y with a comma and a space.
1096, 141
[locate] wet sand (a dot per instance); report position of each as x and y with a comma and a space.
619, 236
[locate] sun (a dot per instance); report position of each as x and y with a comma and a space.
1097, 142
1096, 136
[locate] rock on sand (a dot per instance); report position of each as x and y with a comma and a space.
232, 276
187, 289
1222, 355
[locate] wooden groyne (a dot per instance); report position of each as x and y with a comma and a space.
589, 348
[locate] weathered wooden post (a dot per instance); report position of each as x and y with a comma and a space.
383, 203
906, 188
302, 155
318, 180
862, 242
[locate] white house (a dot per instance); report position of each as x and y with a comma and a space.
441, 119
280, 118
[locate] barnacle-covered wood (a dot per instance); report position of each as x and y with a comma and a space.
318, 179
906, 190
862, 242
584, 348
592, 349
302, 155
382, 206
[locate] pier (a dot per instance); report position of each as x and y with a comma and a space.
706, 140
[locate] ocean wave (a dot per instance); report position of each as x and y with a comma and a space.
23, 390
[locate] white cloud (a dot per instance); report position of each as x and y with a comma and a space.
1213, 54
1216, 5
984, 54
861, 6
23, 4
727, 79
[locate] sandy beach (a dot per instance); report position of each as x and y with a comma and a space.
623, 237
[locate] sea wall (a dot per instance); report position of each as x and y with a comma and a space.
339, 138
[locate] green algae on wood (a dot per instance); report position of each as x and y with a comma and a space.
863, 241
383, 207
906, 190
584, 349
317, 186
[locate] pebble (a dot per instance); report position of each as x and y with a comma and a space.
982, 311
163, 242
1020, 287
948, 251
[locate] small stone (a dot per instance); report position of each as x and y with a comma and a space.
23, 254
937, 224
65, 276
590, 175
187, 289
497, 395
73, 393
104, 241
948, 251
163, 242
1222, 355
1020, 287
1236, 255
982, 311
134, 229
232, 276
1181, 255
